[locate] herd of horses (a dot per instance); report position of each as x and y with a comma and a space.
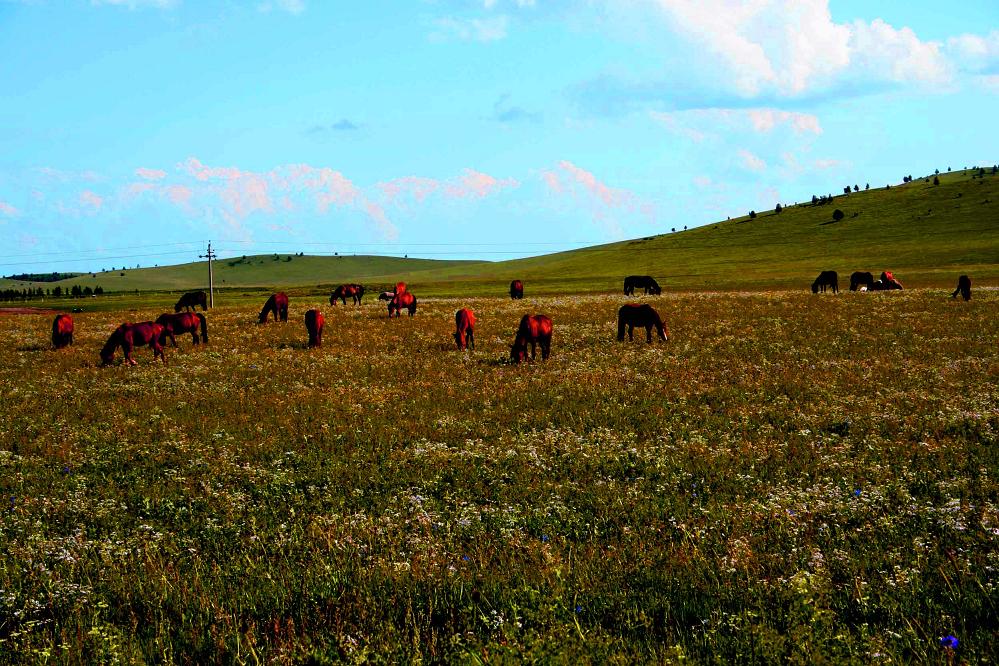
864, 281
534, 330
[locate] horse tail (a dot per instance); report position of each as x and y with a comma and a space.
204, 326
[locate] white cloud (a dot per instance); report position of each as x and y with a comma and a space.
790, 47
700, 124
751, 162
294, 7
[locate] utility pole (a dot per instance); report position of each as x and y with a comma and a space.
211, 282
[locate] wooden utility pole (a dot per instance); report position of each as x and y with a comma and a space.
211, 282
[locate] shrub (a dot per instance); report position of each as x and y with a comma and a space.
838, 215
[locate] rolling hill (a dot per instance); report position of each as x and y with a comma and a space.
927, 234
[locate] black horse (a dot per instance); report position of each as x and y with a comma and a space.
826, 279
963, 288
191, 300
646, 282
516, 289
641, 315
860, 279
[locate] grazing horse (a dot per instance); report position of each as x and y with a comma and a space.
128, 336
642, 315
963, 288
516, 289
646, 282
402, 300
860, 279
278, 304
533, 329
890, 281
826, 279
184, 322
314, 322
345, 291
386, 296
464, 324
191, 301
62, 331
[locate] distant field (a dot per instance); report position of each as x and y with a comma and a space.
927, 235
792, 478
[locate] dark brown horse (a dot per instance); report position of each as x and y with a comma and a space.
860, 279
641, 315
534, 330
826, 279
516, 289
314, 322
646, 282
345, 291
890, 281
128, 336
963, 288
184, 322
403, 299
464, 324
191, 300
386, 296
62, 331
278, 304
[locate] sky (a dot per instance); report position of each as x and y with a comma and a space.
134, 131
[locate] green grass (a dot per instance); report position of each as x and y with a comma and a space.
927, 235
792, 478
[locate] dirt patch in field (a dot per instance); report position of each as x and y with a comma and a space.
24, 311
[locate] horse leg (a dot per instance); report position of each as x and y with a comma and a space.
471, 338
648, 333
631, 332
126, 347
546, 349
194, 334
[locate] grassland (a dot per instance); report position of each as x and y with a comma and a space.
792, 478
926, 234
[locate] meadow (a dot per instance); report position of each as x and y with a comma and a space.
790, 478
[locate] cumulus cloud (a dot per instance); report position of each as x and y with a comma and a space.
794, 47
150, 174
606, 204
471, 184
91, 201
699, 124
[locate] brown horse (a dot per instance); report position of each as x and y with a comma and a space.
128, 336
464, 324
400, 287
890, 281
516, 289
278, 304
533, 329
345, 291
403, 299
184, 322
643, 316
191, 300
963, 288
386, 296
62, 331
314, 322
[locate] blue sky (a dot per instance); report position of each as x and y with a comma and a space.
131, 131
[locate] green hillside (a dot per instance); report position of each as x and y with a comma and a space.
262, 271
926, 234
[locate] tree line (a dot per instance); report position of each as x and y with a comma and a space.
30, 294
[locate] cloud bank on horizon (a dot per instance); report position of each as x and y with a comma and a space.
459, 125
